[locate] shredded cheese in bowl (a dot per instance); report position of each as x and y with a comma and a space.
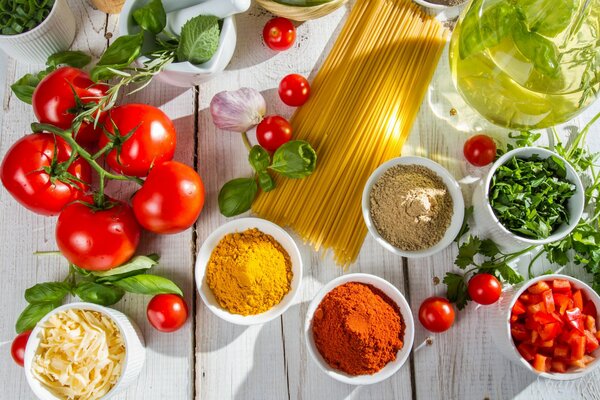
80, 355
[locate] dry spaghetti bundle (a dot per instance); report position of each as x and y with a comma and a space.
365, 99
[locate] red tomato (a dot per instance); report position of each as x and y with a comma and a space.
279, 34
480, 150
484, 289
29, 174
273, 132
17, 349
294, 90
151, 143
97, 240
436, 314
54, 101
170, 200
167, 312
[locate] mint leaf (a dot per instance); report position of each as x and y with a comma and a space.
199, 39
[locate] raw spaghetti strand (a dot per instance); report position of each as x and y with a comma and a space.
366, 97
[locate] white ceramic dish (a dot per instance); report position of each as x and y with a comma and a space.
135, 352
500, 327
442, 12
409, 333
240, 225
453, 189
489, 225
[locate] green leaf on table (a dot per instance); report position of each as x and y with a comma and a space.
151, 17
77, 59
296, 159
138, 263
489, 248
25, 86
119, 55
237, 196
32, 314
99, 294
199, 39
47, 292
508, 273
456, 289
265, 181
465, 225
148, 284
467, 252
259, 159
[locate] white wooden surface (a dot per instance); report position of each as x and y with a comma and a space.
210, 359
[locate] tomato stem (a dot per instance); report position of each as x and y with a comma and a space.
246, 141
47, 253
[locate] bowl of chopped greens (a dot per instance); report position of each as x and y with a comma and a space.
530, 196
33, 30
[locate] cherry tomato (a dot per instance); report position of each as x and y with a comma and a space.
152, 139
273, 132
484, 289
31, 177
279, 34
480, 150
436, 314
170, 200
294, 90
17, 349
54, 101
167, 312
97, 240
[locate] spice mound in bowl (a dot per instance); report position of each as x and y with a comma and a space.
358, 329
249, 272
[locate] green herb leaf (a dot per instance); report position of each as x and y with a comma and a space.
546, 18
138, 263
236, 196
296, 159
32, 314
120, 54
259, 159
148, 284
489, 248
508, 274
151, 17
24, 87
456, 289
48, 292
77, 59
99, 294
542, 53
199, 39
265, 181
464, 229
467, 252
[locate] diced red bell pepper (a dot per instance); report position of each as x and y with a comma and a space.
577, 344
530, 323
518, 308
540, 362
519, 332
527, 351
590, 309
513, 318
588, 359
561, 285
547, 344
561, 350
548, 300
549, 331
534, 337
535, 308
591, 343
561, 302
597, 334
590, 324
558, 366
575, 319
543, 318
577, 363
539, 288
578, 300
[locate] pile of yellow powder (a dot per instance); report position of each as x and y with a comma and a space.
249, 272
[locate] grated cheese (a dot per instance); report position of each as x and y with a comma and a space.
80, 355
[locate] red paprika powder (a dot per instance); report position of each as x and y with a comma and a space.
358, 329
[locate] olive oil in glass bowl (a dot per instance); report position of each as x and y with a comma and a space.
528, 64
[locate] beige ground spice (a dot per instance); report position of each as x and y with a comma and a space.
411, 207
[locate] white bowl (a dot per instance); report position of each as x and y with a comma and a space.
240, 225
409, 332
489, 225
135, 352
500, 326
453, 189
441, 11
185, 74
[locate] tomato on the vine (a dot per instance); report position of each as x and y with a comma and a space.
35, 174
480, 150
55, 101
484, 289
142, 136
170, 200
279, 34
273, 132
97, 239
436, 314
294, 90
17, 349
167, 312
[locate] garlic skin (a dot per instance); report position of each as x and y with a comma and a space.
239, 110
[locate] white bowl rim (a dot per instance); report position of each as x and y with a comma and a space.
35, 340
591, 294
264, 226
37, 27
409, 330
543, 153
453, 188
435, 6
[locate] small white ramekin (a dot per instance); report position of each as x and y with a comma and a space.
409, 332
135, 351
500, 326
443, 12
54, 34
240, 225
488, 224
453, 189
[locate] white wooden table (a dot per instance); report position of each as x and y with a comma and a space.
211, 359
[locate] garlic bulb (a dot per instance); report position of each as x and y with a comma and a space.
239, 110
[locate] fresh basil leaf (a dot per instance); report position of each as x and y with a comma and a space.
542, 53
120, 54
151, 17
77, 59
265, 181
148, 284
48, 292
236, 196
32, 314
24, 87
456, 289
295, 159
259, 159
99, 294
546, 18
139, 263
199, 39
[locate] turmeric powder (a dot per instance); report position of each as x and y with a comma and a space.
249, 272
